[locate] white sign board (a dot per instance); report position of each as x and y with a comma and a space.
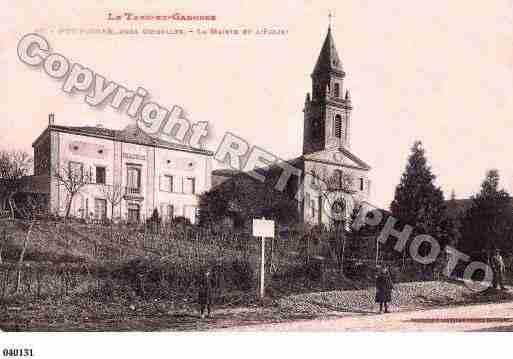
263, 228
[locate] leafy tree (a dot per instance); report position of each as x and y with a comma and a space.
488, 223
213, 206
243, 197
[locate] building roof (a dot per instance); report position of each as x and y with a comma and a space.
226, 172
328, 60
130, 134
317, 156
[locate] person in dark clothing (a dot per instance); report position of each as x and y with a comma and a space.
205, 294
498, 268
384, 288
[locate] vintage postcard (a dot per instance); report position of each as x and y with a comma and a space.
255, 166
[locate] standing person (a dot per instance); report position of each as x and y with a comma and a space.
498, 268
384, 288
205, 293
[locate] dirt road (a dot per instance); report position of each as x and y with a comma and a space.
481, 317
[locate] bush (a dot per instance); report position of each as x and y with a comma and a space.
242, 274
181, 221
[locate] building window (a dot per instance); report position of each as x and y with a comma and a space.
189, 185
76, 170
190, 212
319, 213
170, 212
361, 184
134, 212
337, 175
100, 208
196, 215
315, 180
316, 129
337, 90
338, 126
134, 179
166, 183
101, 175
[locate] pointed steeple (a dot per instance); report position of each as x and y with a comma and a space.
328, 60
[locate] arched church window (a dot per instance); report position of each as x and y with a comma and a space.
316, 129
338, 178
338, 126
337, 90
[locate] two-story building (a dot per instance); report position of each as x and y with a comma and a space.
151, 173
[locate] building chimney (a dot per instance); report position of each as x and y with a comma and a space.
51, 119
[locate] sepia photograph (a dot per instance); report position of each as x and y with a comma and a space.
240, 168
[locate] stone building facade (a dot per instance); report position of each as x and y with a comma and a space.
151, 173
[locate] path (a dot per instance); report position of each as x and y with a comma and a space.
487, 317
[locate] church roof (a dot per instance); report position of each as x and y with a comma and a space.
324, 156
328, 60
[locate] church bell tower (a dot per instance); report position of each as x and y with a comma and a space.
327, 112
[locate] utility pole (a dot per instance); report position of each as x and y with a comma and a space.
262, 270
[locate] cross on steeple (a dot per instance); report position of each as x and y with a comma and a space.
330, 16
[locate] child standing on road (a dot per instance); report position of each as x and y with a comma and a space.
384, 288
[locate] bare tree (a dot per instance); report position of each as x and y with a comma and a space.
331, 188
14, 165
113, 195
33, 209
73, 179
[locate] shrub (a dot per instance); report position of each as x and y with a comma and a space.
181, 221
242, 274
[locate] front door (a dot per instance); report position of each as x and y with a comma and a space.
133, 212
100, 208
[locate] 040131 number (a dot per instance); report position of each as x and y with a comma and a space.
17, 352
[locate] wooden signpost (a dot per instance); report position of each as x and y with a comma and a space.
263, 228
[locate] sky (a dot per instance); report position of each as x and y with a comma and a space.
439, 72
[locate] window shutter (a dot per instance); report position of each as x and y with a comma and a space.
179, 183
170, 211
107, 171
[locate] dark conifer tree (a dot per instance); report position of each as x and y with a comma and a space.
419, 202
488, 223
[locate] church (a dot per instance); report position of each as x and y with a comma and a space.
327, 144
333, 178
